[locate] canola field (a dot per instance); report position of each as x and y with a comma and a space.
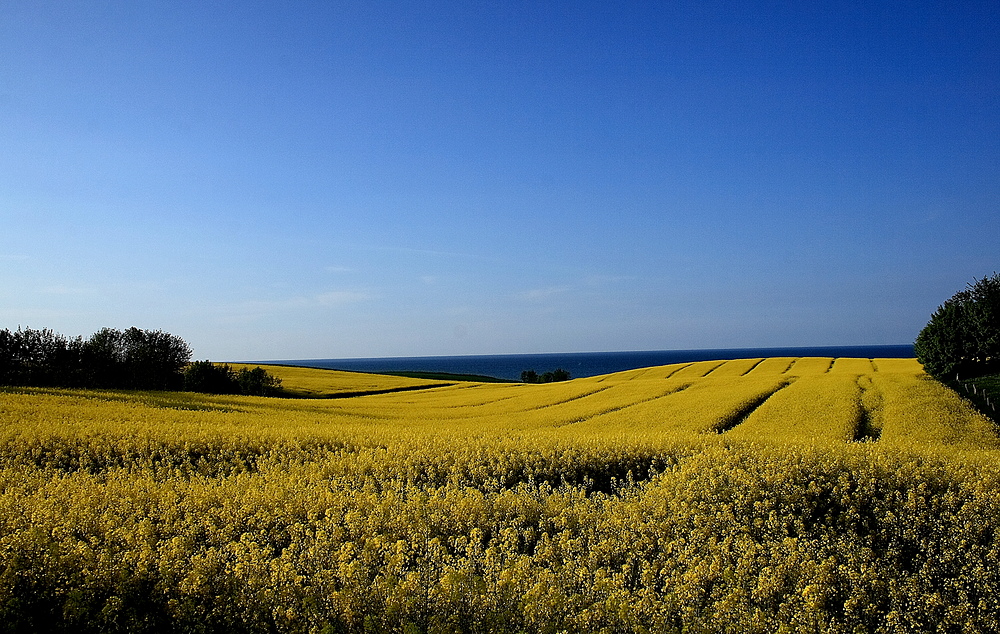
754, 495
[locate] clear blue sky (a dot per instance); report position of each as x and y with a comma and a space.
291, 179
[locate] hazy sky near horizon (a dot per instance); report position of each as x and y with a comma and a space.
281, 180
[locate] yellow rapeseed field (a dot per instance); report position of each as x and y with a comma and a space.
313, 383
753, 495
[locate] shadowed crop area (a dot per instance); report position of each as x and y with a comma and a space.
753, 495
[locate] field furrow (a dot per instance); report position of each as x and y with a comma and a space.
734, 368
772, 366
696, 370
852, 366
705, 406
808, 366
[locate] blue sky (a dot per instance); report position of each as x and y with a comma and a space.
277, 180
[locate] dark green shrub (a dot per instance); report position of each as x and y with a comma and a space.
257, 382
530, 376
207, 377
962, 338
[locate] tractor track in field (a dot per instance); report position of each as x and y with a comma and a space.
721, 363
573, 398
865, 431
619, 408
686, 365
751, 368
391, 390
744, 413
868, 427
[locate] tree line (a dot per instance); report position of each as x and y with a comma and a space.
132, 359
530, 376
125, 359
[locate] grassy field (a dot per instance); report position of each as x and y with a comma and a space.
983, 392
754, 495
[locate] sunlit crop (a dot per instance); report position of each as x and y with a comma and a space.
308, 382
754, 495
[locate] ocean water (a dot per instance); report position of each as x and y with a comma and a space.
584, 364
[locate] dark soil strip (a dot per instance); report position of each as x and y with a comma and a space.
713, 369
865, 431
789, 366
750, 369
686, 365
830, 367
740, 417
409, 388
869, 425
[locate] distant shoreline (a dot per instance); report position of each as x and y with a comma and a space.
581, 364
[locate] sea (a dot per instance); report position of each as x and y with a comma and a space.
583, 364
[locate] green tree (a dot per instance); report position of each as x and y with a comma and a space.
205, 376
257, 382
103, 361
962, 338
530, 376
153, 359
40, 358
209, 378
133, 359
555, 375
